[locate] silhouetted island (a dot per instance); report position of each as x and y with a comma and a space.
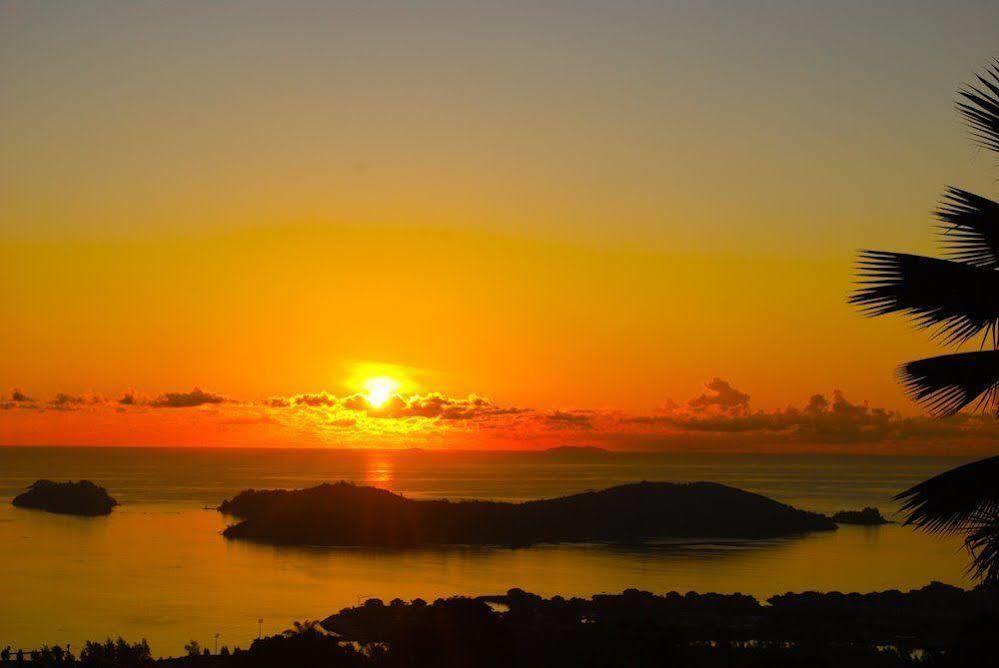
866, 517
68, 498
347, 515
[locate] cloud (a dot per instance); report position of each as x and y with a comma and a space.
719, 419
436, 405
66, 402
816, 404
433, 405
195, 397
18, 399
568, 420
314, 400
721, 396
17, 395
821, 420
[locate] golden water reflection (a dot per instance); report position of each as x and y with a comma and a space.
165, 573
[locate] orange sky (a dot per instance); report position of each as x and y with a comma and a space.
596, 210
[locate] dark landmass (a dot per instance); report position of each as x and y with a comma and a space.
867, 517
937, 626
68, 498
348, 515
620, 629
577, 452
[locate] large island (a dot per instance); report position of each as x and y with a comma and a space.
343, 514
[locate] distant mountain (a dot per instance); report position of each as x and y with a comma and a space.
345, 514
580, 451
67, 498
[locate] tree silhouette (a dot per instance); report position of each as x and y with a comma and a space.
305, 627
957, 299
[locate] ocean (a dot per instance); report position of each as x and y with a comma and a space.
158, 568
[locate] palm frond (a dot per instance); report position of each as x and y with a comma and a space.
983, 544
951, 501
962, 500
948, 383
970, 228
979, 103
959, 300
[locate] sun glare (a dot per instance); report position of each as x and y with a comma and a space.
380, 390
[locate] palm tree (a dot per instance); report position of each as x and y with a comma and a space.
306, 627
957, 298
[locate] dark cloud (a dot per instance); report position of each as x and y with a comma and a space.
195, 397
721, 396
314, 400
63, 401
436, 405
817, 404
567, 420
17, 395
17, 399
820, 421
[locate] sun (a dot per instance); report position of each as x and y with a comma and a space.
380, 390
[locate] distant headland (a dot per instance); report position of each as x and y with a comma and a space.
344, 514
67, 498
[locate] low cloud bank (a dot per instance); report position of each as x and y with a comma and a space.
196, 397
720, 418
724, 411
433, 405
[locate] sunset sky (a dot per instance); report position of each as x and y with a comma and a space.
631, 224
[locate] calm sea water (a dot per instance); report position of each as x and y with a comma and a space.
158, 568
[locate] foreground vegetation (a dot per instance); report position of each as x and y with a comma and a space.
936, 626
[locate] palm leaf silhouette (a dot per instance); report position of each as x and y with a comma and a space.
959, 300
948, 383
979, 104
956, 298
962, 500
970, 228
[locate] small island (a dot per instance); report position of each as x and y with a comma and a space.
866, 517
344, 514
82, 498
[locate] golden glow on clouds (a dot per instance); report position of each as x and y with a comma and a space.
722, 418
593, 228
